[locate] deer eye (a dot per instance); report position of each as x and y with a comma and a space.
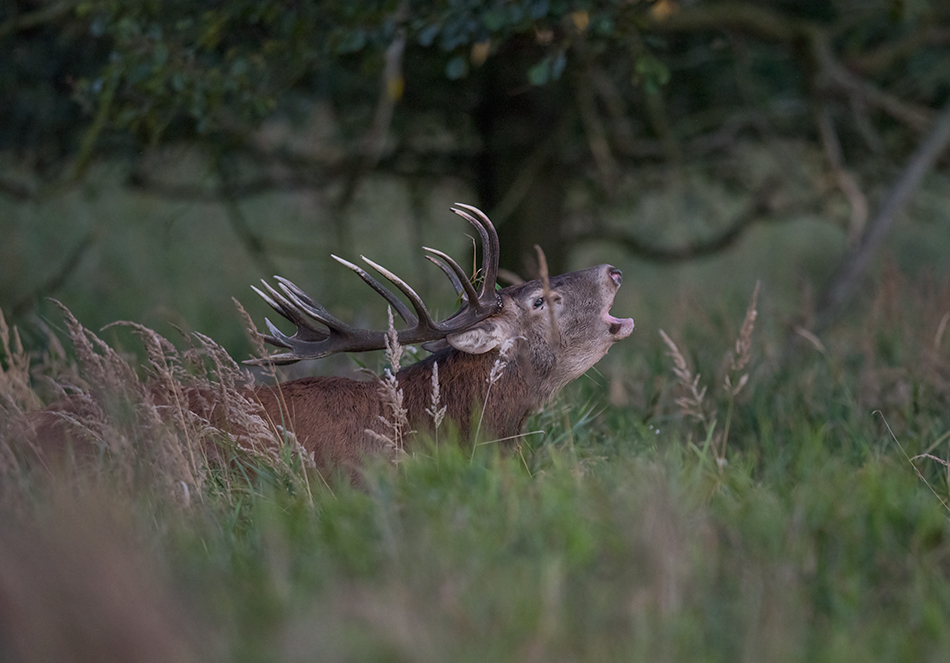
539, 302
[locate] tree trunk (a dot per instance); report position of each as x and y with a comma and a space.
521, 179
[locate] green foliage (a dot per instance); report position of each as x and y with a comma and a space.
183, 66
614, 535
662, 558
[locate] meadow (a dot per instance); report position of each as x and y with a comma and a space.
730, 495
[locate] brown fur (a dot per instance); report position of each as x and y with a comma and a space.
330, 416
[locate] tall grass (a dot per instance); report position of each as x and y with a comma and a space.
628, 539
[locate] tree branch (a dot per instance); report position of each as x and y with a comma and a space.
37, 17
391, 87
886, 55
776, 26
593, 126
845, 281
761, 206
846, 182
737, 16
54, 282
16, 191
252, 243
836, 75
300, 172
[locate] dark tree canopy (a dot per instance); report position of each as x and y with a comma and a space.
528, 100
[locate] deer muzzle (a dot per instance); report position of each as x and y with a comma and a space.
619, 328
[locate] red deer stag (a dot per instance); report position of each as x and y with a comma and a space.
502, 354
527, 340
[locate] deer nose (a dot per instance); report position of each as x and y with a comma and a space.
616, 275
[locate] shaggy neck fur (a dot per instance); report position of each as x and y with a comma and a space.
463, 386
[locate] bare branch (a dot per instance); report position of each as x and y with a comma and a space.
621, 128
832, 73
591, 121
251, 242
54, 282
738, 16
854, 265
391, 87
16, 191
37, 17
887, 54
760, 208
772, 25
846, 181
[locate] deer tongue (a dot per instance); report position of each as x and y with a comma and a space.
619, 327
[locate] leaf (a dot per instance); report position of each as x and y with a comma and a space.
539, 9
651, 73
603, 25
352, 41
456, 68
428, 34
160, 55
540, 73
581, 20
493, 19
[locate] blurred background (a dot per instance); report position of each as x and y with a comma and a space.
782, 497
156, 158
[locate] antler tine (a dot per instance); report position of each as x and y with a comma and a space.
465, 284
281, 359
410, 294
302, 303
408, 317
453, 278
305, 331
490, 245
310, 342
300, 345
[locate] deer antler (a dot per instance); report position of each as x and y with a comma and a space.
312, 342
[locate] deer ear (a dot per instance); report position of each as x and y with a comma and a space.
480, 339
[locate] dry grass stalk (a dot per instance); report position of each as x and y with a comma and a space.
393, 348
436, 410
306, 459
169, 429
742, 355
733, 382
691, 405
260, 350
811, 338
912, 463
15, 377
941, 328
105, 407
396, 423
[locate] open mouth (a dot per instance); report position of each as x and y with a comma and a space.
617, 327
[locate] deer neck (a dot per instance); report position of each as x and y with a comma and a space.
473, 400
